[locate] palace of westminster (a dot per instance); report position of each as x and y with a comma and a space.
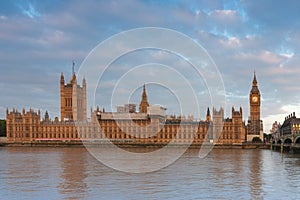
150, 125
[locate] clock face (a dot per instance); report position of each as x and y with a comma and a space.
254, 99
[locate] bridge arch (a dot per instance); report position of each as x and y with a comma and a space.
297, 140
279, 142
287, 141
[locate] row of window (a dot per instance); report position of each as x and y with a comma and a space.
120, 136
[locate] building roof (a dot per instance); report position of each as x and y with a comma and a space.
123, 116
289, 120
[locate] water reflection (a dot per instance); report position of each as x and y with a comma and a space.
255, 162
24, 170
73, 173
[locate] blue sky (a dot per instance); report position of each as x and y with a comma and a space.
39, 40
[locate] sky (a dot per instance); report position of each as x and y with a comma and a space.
39, 40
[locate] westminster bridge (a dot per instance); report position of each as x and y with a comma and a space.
287, 143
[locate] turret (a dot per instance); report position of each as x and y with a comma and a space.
62, 79
208, 115
236, 114
218, 114
84, 82
47, 116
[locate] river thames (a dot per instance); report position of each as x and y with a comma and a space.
72, 173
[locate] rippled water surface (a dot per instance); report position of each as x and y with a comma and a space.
72, 173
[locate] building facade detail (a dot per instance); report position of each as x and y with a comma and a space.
275, 131
150, 125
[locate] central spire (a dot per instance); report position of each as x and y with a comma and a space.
144, 102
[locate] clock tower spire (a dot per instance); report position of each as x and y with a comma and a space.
254, 122
254, 100
254, 82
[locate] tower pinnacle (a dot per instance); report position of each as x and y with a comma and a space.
73, 79
73, 65
144, 102
208, 115
62, 79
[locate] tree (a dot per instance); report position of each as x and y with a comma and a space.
267, 137
2, 128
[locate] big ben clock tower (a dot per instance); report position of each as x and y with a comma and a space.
254, 100
254, 122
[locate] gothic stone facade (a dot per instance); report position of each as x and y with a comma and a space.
148, 126
72, 100
135, 128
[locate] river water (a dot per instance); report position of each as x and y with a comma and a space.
72, 173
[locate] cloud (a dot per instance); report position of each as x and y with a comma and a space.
264, 56
30, 12
256, 10
232, 42
3, 17
226, 16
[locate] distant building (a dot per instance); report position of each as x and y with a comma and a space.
275, 131
288, 132
150, 125
127, 108
290, 126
